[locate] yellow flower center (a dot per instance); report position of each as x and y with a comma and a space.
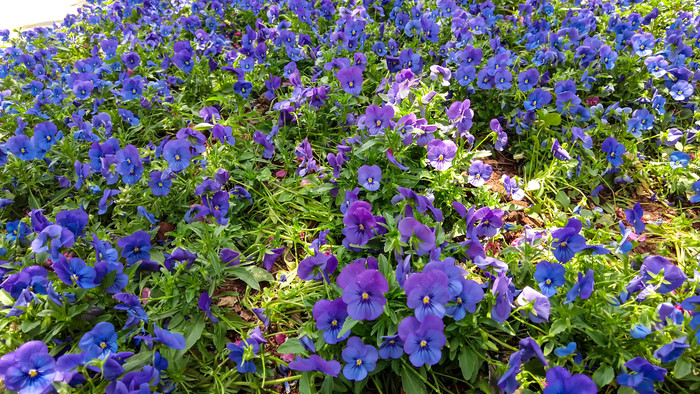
362, 227
334, 323
549, 281
641, 47
32, 373
379, 123
459, 300
365, 296
351, 84
136, 249
48, 138
160, 184
359, 362
133, 91
478, 176
426, 300
177, 157
563, 244
103, 345
423, 343
441, 157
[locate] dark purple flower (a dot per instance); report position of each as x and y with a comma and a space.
316, 363
673, 276
634, 217
75, 272
270, 258
559, 380
643, 380
427, 293
330, 317
467, 300
317, 267
488, 221
238, 354
671, 351
614, 151
504, 298
363, 291
583, 288
461, 115
408, 227
74, 220
559, 151
29, 369
567, 241
135, 247
549, 276
359, 223
100, 341
423, 341
350, 79
204, 304
378, 118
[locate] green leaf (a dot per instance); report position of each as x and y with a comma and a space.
328, 385
683, 368
468, 363
219, 336
599, 338
603, 375
243, 274
192, 332
366, 146
137, 361
291, 346
552, 119
411, 383
347, 326
563, 199
558, 326
305, 383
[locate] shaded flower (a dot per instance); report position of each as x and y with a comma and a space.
549, 276
583, 288
369, 177
360, 359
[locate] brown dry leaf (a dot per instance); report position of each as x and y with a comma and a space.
227, 302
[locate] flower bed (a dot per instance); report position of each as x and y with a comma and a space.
224, 196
